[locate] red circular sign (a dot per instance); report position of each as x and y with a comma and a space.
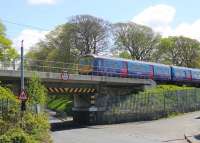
64, 75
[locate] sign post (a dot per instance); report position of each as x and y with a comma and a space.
22, 96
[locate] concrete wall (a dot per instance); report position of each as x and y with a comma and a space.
94, 109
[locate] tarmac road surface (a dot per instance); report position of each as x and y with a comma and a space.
169, 130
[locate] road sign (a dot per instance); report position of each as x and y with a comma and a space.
64, 75
23, 96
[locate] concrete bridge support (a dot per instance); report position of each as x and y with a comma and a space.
91, 109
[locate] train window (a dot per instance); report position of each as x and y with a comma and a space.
123, 64
101, 63
107, 64
185, 74
86, 61
115, 65
118, 65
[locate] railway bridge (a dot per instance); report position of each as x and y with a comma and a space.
90, 92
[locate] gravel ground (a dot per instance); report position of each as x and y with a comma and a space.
164, 130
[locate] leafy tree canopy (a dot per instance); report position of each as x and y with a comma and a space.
179, 51
7, 52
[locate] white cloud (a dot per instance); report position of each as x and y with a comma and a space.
191, 30
160, 18
38, 2
30, 37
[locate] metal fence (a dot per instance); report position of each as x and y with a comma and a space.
59, 67
148, 106
52, 66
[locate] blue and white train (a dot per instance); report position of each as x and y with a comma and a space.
117, 67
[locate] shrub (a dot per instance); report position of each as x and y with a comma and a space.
169, 87
36, 91
37, 125
29, 128
17, 135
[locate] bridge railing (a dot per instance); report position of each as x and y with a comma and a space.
59, 67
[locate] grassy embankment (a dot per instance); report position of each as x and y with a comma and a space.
60, 103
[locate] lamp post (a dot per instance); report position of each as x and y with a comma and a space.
23, 102
22, 65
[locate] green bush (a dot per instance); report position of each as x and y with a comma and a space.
169, 87
7, 94
37, 125
28, 127
9, 106
36, 91
17, 134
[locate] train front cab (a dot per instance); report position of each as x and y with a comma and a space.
86, 65
100, 66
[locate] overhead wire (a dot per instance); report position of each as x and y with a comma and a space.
23, 25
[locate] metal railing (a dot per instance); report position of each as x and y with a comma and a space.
70, 68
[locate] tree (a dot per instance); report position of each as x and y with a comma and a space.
179, 51
60, 40
125, 55
83, 34
11, 54
56, 47
140, 41
6, 50
36, 91
4, 42
90, 34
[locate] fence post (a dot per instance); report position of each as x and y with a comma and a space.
164, 103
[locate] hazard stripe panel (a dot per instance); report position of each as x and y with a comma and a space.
71, 90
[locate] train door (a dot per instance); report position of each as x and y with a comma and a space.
124, 69
151, 72
190, 75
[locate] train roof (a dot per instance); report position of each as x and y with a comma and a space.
151, 63
121, 59
183, 68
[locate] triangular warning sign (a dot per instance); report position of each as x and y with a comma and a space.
23, 95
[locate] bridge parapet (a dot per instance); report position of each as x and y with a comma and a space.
76, 78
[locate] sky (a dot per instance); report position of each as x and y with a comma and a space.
35, 18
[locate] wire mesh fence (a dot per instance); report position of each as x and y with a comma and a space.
148, 105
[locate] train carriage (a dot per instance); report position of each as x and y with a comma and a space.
137, 69
162, 72
182, 74
195, 75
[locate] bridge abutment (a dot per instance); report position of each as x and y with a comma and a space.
98, 108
